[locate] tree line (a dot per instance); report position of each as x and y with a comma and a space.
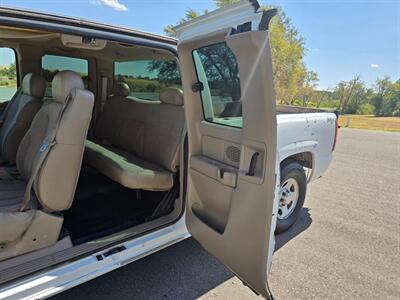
8, 75
297, 85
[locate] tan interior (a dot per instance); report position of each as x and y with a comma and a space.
139, 148
30, 228
131, 145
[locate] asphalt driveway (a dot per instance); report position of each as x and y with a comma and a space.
346, 244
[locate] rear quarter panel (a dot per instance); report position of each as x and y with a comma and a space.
307, 132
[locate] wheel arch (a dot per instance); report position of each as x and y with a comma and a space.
305, 159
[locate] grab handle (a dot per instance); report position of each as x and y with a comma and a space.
253, 163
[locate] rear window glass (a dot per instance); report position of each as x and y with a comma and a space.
146, 78
51, 64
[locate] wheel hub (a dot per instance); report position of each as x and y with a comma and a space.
289, 195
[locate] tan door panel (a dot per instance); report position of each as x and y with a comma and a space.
221, 150
232, 170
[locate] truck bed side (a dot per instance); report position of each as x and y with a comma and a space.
307, 137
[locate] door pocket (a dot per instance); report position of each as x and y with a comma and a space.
215, 183
213, 201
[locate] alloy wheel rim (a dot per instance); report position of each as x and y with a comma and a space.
289, 196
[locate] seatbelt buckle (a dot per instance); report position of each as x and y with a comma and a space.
45, 145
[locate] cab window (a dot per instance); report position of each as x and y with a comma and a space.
146, 78
8, 74
218, 75
51, 64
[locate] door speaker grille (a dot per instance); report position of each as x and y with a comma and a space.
233, 153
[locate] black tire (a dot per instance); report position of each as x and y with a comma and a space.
292, 169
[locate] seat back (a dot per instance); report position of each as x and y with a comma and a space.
56, 182
152, 130
19, 115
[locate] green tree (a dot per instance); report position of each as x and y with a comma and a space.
308, 90
167, 70
12, 72
287, 47
220, 3
189, 15
382, 86
322, 97
345, 91
381, 100
357, 98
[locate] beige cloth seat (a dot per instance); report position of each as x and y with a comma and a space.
18, 116
13, 222
54, 186
128, 169
137, 142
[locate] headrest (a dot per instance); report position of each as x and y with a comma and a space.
121, 89
63, 83
33, 85
173, 96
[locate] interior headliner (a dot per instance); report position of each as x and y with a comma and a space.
15, 37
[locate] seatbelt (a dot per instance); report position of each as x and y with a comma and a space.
5, 112
47, 144
99, 105
104, 82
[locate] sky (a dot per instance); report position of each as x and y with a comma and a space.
343, 37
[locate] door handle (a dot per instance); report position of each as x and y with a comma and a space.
227, 178
253, 163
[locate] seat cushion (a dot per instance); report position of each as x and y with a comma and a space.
127, 169
13, 223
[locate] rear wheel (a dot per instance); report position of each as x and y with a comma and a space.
292, 194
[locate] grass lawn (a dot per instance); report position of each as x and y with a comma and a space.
371, 122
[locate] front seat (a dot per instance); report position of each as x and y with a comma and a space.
17, 117
26, 226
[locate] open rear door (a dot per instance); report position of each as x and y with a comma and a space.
230, 111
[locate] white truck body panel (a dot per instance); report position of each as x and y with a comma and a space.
307, 132
49, 283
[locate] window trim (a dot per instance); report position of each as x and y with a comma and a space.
19, 80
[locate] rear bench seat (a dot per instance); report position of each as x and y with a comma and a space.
136, 141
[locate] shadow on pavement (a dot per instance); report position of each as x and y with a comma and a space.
303, 222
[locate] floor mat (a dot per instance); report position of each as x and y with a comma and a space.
102, 207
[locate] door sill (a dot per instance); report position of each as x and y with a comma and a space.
63, 251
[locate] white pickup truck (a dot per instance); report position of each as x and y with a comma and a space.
119, 162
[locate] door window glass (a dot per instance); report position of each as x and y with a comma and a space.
217, 70
8, 74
